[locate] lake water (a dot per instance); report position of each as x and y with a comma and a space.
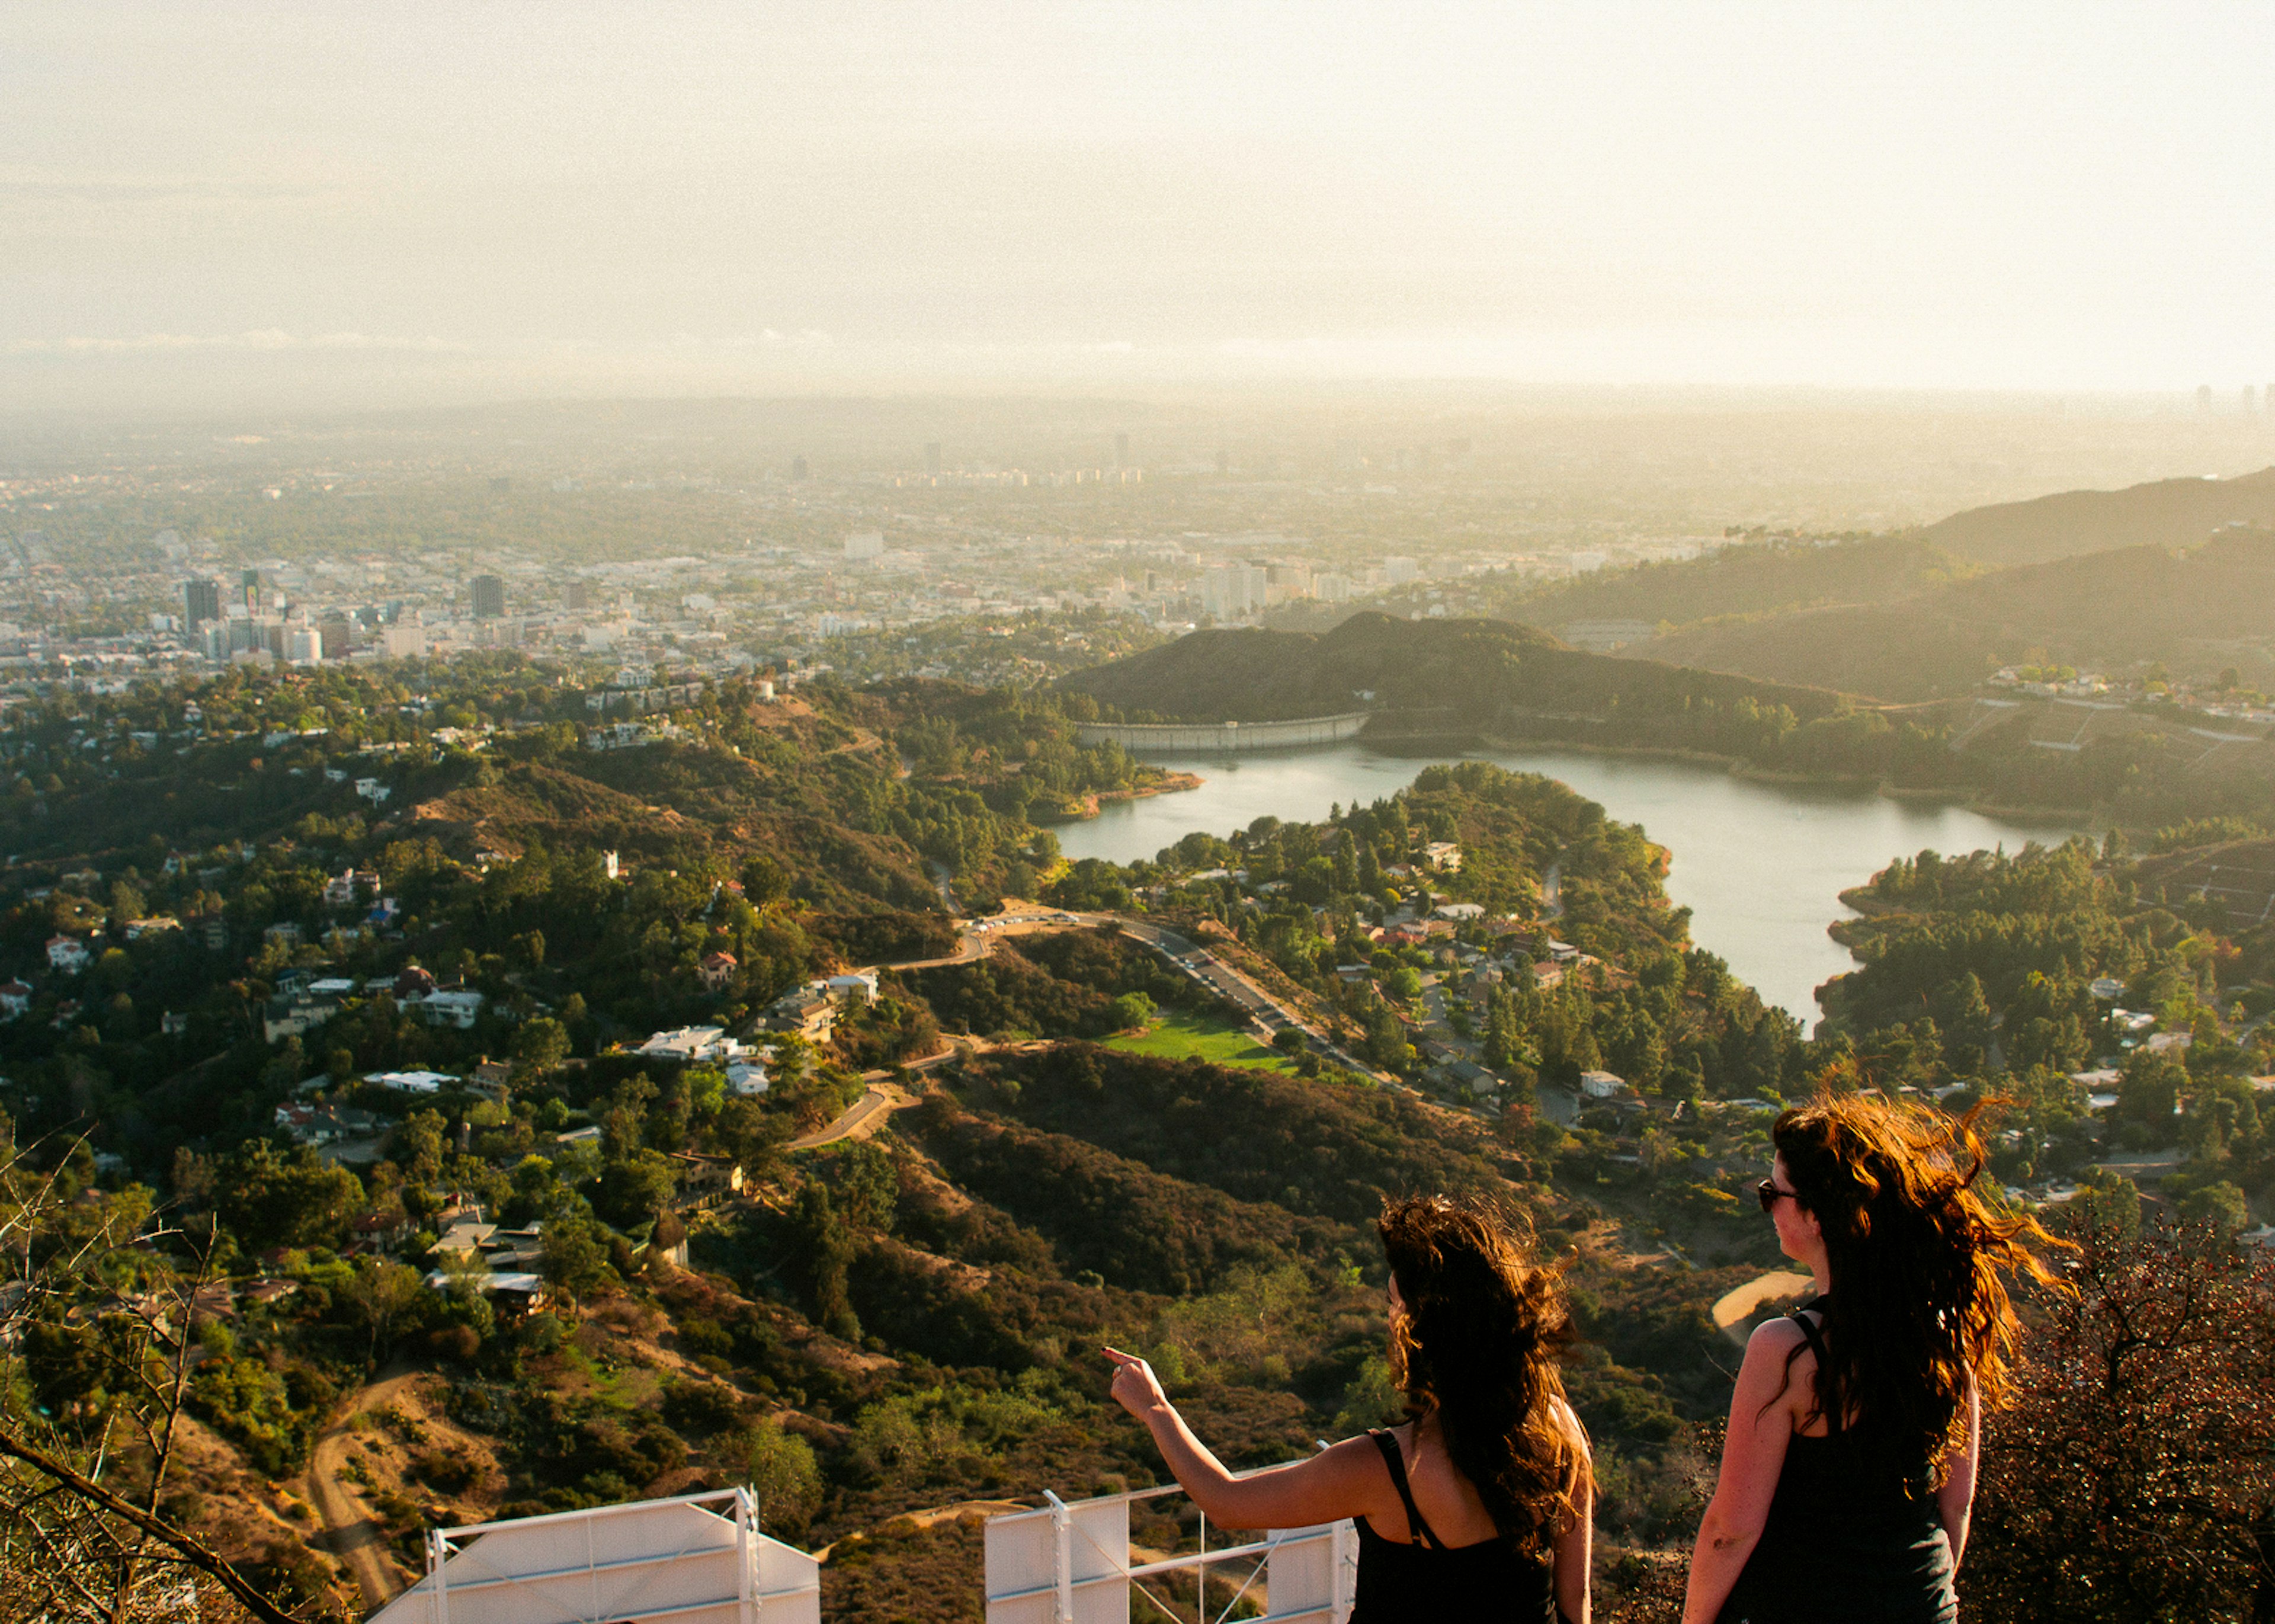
1761, 866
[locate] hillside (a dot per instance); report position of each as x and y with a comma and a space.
2162, 513
2196, 611
1476, 672
1755, 579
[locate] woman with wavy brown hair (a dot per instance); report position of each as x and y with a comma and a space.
1848, 1469
1477, 1507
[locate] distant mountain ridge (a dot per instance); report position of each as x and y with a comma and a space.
2201, 609
2164, 513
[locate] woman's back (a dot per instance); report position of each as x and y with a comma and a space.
1848, 1536
1441, 1558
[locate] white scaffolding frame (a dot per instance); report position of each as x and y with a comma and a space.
1070, 1562
697, 1557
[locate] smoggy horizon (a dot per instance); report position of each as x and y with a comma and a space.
214, 208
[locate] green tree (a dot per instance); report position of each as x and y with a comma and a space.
2107, 1200
539, 1047
574, 1261
295, 1199
634, 1187
781, 1470
2220, 1205
380, 1297
1130, 1011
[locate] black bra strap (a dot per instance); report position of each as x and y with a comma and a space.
1823, 1365
1386, 1441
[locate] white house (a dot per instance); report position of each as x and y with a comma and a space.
747, 1077
1601, 1084
693, 1043
859, 986
458, 1007
15, 998
373, 790
67, 954
411, 1082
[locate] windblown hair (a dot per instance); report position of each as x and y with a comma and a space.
1919, 1261
1478, 1346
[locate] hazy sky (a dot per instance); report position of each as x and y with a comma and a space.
835, 195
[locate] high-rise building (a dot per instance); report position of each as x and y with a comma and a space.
798, 468
2203, 398
1121, 451
578, 594
248, 584
336, 637
2250, 400
201, 602
932, 456
490, 597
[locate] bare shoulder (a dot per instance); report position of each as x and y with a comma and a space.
1777, 1347
1775, 1338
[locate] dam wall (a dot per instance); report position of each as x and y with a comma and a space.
1227, 736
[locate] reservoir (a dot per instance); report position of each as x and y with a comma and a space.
1760, 866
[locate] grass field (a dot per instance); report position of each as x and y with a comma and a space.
1179, 1036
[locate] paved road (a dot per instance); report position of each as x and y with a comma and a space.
857, 1116
354, 1534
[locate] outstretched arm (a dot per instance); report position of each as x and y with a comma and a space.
1753, 1455
1342, 1482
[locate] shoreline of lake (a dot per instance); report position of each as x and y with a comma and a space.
1760, 863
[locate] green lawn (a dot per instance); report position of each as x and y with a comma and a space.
1180, 1036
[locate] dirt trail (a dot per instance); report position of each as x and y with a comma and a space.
354, 1535
941, 1513
1731, 1311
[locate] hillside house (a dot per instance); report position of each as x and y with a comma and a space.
1602, 1085
411, 1082
1444, 857
746, 1077
854, 986
467, 1237
459, 1007
701, 1174
804, 1011
293, 1016
692, 1045
715, 970
137, 929
327, 1124
15, 998
1547, 976
67, 955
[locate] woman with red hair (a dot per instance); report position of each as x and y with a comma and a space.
1848, 1469
1477, 1508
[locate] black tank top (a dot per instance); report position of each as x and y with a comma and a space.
1844, 1539
1430, 1584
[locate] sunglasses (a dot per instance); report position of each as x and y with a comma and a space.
1771, 1195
